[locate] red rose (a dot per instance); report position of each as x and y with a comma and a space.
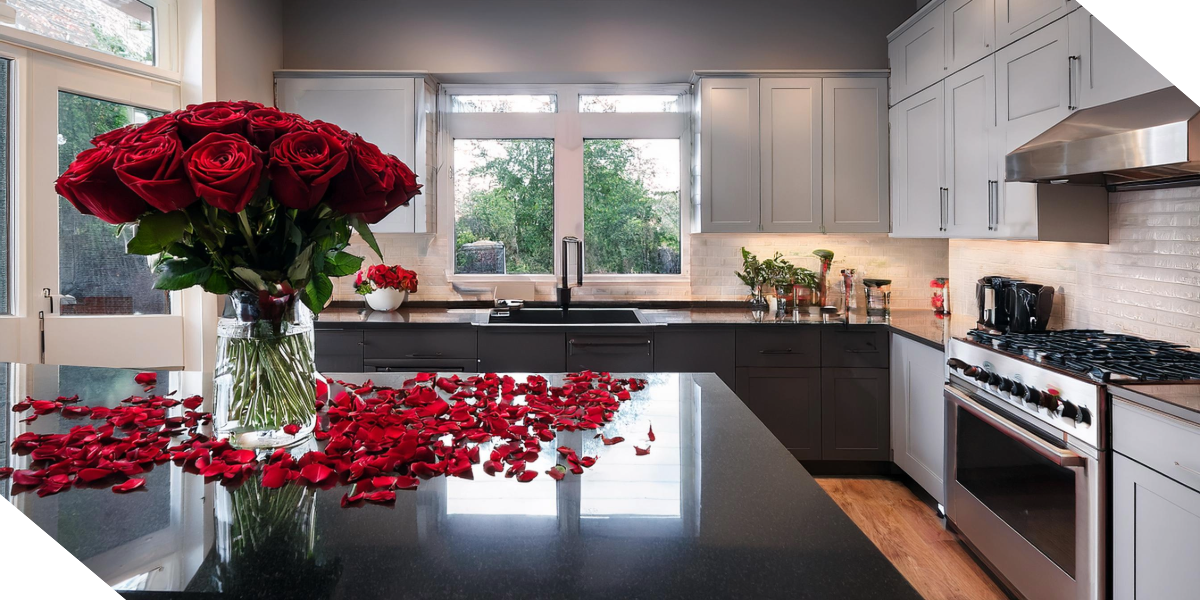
91, 185
330, 129
152, 128
368, 178
225, 170
302, 165
153, 169
403, 190
114, 137
211, 117
265, 125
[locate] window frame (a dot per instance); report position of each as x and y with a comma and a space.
568, 128
167, 64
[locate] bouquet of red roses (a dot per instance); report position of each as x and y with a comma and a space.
379, 277
237, 196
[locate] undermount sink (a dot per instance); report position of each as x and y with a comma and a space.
574, 316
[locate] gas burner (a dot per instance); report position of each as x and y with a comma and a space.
1099, 356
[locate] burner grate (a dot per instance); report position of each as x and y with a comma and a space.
1099, 355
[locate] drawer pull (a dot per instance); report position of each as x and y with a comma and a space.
433, 355
1188, 469
580, 344
853, 351
784, 351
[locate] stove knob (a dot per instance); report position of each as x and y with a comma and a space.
1006, 384
1033, 396
1019, 390
981, 376
1085, 416
993, 379
1070, 411
1051, 402
957, 365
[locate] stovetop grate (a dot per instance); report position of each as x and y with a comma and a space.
1098, 355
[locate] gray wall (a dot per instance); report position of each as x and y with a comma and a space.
598, 40
249, 47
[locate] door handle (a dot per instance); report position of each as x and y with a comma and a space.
1056, 455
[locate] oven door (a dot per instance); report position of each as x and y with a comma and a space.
1030, 507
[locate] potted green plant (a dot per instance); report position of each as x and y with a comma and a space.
753, 275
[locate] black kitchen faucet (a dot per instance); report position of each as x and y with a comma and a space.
564, 292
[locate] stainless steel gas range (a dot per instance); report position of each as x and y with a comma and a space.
1026, 450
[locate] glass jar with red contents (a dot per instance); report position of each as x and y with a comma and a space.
940, 300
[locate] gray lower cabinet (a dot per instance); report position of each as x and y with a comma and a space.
694, 350
338, 351
1156, 534
855, 418
524, 350
616, 353
788, 402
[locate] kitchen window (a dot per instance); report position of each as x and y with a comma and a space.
122, 28
530, 165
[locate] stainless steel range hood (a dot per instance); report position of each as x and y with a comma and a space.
1146, 141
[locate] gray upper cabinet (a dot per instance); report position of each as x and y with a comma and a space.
917, 54
1033, 84
972, 183
729, 155
790, 129
793, 155
855, 155
1107, 69
918, 166
970, 32
1018, 18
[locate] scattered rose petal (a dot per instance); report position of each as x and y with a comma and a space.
610, 441
557, 472
316, 473
404, 482
650, 436
526, 476
5, 472
641, 451
146, 378
291, 429
129, 485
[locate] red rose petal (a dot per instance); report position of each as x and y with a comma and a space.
557, 472
192, 403
610, 441
650, 436
526, 476
404, 482
291, 429
27, 477
129, 486
5, 472
381, 497
274, 476
146, 378
92, 474
492, 467
641, 451
315, 473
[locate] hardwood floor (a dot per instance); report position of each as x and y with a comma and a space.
912, 536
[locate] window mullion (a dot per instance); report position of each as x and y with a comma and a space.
568, 172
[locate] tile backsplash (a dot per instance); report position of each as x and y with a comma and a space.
714, 258
1145, 282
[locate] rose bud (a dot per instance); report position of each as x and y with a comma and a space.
154, 170
364, 185
265, 125
403, 190
225, 170
91, 185
302, 165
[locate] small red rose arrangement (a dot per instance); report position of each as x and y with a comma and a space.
383, 277
238, 196
377, 439
938, 300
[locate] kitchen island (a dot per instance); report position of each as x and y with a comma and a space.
719, 508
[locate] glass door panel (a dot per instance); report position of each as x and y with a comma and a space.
95, 275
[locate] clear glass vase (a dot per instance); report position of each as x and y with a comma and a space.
264, 376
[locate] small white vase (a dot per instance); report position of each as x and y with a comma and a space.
386, 299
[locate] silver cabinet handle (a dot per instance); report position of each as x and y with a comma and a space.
943, 204
1188, 469
1072, 63
993, 205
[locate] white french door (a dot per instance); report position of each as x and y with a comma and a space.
84, 301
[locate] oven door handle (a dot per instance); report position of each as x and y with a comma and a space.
1059, 456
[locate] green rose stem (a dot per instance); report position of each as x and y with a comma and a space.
272, 384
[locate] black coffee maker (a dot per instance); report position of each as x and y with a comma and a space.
1029, 306
991, 294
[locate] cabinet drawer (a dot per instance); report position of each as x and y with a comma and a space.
778, 347
854, 348
613, 353
519, 350
425, 365
695, 351
1162, 442
420, 344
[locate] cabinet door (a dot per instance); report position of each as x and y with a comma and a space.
1156, 534
521, 351
855, 157
918, 165
729, 155
918, 413
918, 55
1107, 70
1018, 18
338, 351
970, 32
790, 128
1032, 84
855, 424
970, 125
381, 109
788, 402
689, 350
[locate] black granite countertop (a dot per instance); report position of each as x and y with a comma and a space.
917, 324
719, 509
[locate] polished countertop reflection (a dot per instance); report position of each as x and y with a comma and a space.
918, 324
719, 508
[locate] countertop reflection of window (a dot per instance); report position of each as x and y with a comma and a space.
503, 496
623, 484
